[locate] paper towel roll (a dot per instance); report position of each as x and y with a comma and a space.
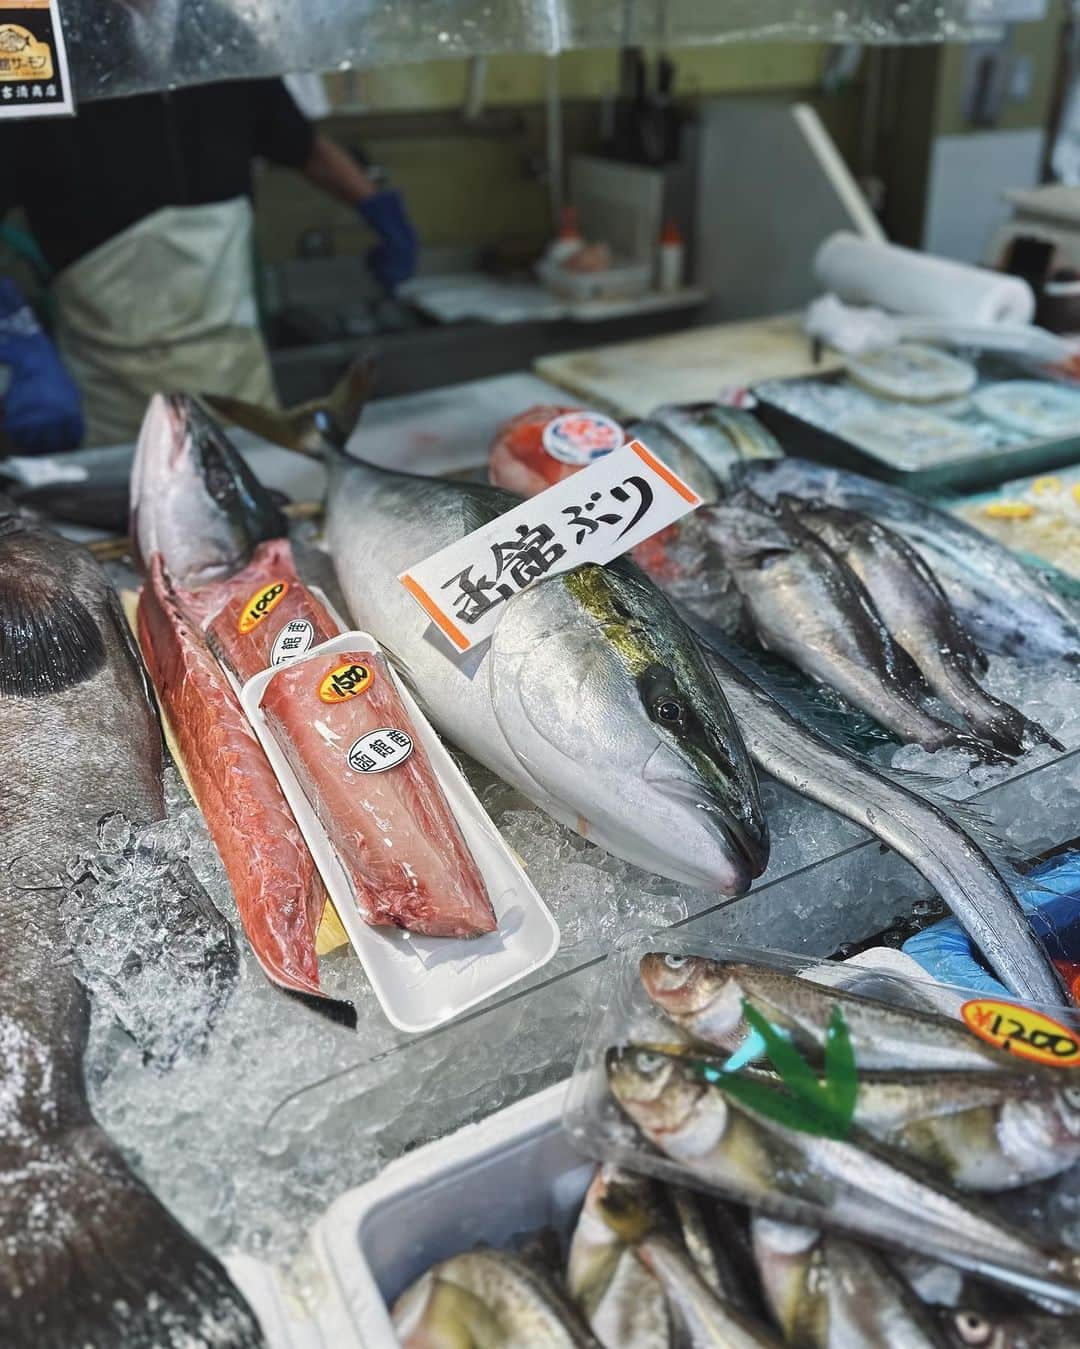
861, 271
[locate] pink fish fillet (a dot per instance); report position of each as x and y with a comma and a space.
256, 611
278, 892
340, 722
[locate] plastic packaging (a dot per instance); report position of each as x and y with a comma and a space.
351, 745
422, 982
823, 1141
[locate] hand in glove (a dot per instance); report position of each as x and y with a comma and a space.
393, 259
42, 407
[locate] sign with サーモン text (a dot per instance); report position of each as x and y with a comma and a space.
608, 508
34, 77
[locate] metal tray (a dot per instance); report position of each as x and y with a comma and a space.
1006, 454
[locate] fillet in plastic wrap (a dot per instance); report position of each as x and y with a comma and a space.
348, 738
278, 892
518, 460
263, 615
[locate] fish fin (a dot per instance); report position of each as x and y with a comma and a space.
107, 1264
49, 640
309, 428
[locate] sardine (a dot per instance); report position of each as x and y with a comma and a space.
855, 1185
486, 1297
623, 1303
829, 1293
1006, 605
592, 666
705, 998
806, 605
88, 1256
704, 1320
920, 618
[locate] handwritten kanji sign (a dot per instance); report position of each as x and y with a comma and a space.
593, 516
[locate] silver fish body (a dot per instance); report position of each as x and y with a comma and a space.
830, 1293
854, 1186
101, 1262
486, 1297
705, 998
1007, 606
592, 667
806, 605
954, 862
704, 1320
920, 618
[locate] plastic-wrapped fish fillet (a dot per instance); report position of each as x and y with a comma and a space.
265, 616
348, 738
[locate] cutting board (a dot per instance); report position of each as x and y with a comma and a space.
629, 379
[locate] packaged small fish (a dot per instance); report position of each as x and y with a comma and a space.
898, 1117
350, 742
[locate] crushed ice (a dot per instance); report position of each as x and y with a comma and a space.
249, 1139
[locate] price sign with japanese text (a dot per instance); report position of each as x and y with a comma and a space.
34, 79
593, 516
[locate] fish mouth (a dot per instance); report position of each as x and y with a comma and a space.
744, 841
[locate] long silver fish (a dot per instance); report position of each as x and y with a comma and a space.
88, 1256
920, 618
829, 1293
705, 998
704, 1320
808, 607
948, 856
854, 1185
1007, 606
593, 666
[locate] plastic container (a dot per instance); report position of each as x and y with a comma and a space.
513, 1173
423, 982
743, 1114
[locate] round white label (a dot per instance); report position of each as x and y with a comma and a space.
292, 641
377, 751
581, 437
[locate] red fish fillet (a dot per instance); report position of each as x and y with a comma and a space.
278, 892
264, 614
340, 722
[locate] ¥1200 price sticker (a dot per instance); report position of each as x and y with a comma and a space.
593, 516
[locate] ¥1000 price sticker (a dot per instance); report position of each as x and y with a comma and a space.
379, 750
593, 516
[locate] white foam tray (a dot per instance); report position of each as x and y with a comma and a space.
424, 982
514, 1172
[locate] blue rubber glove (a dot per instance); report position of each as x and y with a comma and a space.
42, 406
393, 259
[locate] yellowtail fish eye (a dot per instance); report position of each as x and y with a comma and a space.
1072, 1097
972, 1328
670, 712
677, 962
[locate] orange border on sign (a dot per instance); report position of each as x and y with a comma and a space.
662, 471
451, 630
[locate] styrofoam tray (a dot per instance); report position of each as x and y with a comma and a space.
513, 1173
423, 982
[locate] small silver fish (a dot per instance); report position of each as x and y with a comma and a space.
486, 1297
704, 1320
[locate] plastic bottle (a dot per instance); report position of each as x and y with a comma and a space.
568, 240
669, 258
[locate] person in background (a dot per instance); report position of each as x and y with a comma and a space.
42, 410
142, 208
